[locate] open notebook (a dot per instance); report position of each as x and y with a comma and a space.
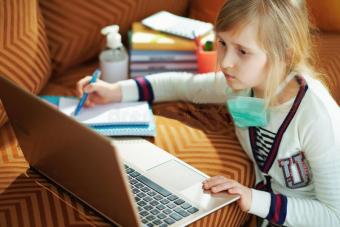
115, 119
127, 113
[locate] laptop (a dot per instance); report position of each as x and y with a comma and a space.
129, 181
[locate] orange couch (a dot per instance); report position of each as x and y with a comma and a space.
46, 46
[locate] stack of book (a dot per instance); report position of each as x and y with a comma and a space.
154, 52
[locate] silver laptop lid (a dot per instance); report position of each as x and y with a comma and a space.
71, 155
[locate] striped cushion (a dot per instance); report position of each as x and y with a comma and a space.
73, 27
24, 55
199, 135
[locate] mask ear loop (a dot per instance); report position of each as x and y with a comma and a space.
221, 108
284, 83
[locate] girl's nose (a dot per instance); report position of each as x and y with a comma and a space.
228, 60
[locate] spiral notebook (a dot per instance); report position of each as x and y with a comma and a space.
115, 119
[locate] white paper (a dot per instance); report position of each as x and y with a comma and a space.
128, 113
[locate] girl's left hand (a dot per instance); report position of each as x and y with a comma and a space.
220, 183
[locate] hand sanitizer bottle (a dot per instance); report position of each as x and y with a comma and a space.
113, 59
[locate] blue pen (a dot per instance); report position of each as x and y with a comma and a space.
95, 75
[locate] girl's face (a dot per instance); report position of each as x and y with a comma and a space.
241, 59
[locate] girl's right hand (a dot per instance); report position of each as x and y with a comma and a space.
99, 92
220, 183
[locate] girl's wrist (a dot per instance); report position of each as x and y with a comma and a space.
250, 198
260, 203
116, 92
128, 90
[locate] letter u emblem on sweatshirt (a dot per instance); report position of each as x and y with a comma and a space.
295, 171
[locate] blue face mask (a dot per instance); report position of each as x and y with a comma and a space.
248, 111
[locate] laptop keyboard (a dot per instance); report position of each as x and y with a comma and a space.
156, 205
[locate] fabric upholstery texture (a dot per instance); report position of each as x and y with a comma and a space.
201, 135
328, 61
205, 10
326, 14
73, 27
65, 84
24, 55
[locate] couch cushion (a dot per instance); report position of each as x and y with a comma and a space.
325, 14
73, 27
205, 10
24, 55
65, 83
328, 61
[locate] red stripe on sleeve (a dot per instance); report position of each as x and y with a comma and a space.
277, 209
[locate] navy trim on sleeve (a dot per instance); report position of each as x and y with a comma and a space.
278, 209
145, 91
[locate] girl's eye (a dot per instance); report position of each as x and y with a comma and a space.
222, 43
243, 52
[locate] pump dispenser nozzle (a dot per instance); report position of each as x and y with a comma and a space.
113, 38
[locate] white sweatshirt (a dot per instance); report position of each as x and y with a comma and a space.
304, 173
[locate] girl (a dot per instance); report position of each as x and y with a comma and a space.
285, 119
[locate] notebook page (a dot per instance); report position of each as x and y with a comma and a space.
129, 113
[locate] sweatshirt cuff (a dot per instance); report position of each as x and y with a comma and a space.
260, 203
129, 90
278, 209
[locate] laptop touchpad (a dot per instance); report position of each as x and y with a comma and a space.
175, 175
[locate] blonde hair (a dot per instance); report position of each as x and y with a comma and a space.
284, 34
